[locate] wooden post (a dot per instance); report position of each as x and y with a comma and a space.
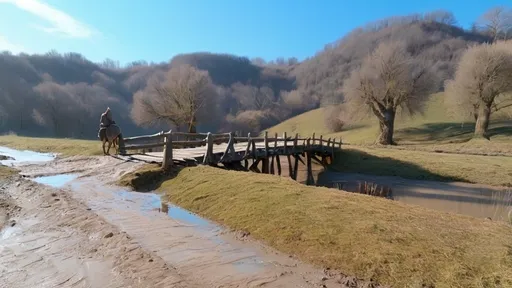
253, 144
167, 161
288, 157
122, 147
209, 150
230, 149
321, 136
313, 143
294, 150
296, 167
278, 162
265, 139
290, 168
265, 162
285, 143
248, 149
310, 179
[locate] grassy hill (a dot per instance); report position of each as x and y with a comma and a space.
420, 140
435, 126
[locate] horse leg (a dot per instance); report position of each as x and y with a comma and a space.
103, 146
108, 149
116, 145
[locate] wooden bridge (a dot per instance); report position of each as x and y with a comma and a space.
229, 150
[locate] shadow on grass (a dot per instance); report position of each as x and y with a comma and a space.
451, 131
355, 161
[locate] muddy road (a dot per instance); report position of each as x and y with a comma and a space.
79, 230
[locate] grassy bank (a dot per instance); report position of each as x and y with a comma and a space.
63, 146
490, 170
361, 235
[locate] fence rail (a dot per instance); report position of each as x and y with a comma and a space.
237, 148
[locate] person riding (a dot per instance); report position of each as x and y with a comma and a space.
106, 120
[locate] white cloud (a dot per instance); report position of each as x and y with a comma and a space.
6, 45
61, 23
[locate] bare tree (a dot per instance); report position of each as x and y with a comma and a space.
497, 22
483, 83
177, 99
387, 81
254, 98
335, 118
441, 16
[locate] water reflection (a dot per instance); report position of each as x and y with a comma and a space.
463, 198
152, 202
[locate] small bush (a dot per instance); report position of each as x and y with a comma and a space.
334, 118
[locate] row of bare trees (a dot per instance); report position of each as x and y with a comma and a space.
390, 80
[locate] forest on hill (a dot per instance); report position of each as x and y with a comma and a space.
58, 95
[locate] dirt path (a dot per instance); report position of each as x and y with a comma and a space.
96, 235
52, 240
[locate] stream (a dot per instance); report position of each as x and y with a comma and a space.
481, 201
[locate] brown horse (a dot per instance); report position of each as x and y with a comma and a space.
111, 142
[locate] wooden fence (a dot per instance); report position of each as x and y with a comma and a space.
229, 148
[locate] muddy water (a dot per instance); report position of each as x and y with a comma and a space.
463, 198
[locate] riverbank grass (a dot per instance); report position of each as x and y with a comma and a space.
391, 242
63, 146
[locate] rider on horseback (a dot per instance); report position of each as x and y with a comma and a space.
106, 120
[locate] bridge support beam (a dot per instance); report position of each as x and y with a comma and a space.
168, 159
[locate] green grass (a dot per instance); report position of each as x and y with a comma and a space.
63, 146
370, 237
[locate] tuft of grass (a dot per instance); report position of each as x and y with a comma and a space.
420, 165
63, 146
6, 172
369, 237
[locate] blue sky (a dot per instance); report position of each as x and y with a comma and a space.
156, 30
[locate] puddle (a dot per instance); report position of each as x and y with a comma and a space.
56, 181
152, 202
23, 156
9, 231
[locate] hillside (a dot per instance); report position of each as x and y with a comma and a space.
57, 95
435, 126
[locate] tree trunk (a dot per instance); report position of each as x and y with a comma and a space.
387, 126
482, 121
192, 124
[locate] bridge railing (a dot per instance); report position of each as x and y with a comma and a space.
167, 141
